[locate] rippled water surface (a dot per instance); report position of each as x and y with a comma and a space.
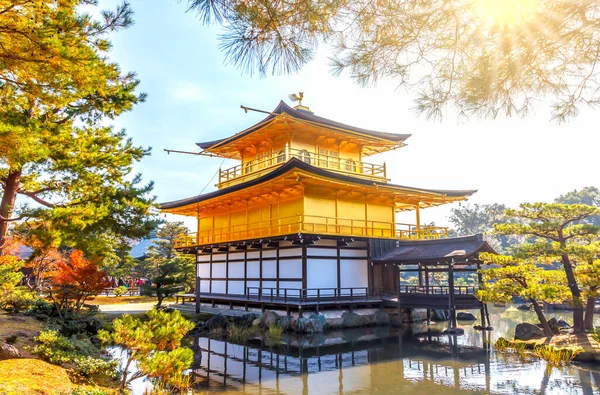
417, 360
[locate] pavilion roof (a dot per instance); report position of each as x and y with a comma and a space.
432, 251
301, 170
372, 141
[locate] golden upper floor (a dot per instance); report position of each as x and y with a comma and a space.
288, 133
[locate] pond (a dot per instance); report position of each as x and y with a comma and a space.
415, 360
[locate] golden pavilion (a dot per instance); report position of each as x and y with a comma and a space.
301, 212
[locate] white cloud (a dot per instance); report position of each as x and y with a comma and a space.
187, 92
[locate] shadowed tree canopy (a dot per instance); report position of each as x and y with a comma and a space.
69, 168
480, 57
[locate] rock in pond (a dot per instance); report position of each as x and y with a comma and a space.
317, 323
382, 318
8, 351
269, 318
244, 321
553, 323
525, 331
563, 324
216, 322
256, 322
524, 307
285, 322
351, 320
462, 316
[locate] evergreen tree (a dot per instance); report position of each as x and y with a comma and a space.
558, 234
482, 57
167, 269
513, 276
57, 89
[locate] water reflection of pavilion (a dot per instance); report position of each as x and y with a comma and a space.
415, 358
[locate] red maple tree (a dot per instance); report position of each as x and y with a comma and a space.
73, 281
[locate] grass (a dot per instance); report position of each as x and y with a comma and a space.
275, 333
555, 356
20, 330
241, 335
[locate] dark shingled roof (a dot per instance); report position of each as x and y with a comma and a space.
298, 164
415, 251
306, 116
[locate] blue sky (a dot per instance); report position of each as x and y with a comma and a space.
193, 96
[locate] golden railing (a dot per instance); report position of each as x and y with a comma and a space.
255, 167
312, 224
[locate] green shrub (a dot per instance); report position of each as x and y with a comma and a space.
120, 291
54, 348
596, 333
60, 350
89, 366
18, 300
41, 309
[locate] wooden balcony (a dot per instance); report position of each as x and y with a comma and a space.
258, 167
312, 224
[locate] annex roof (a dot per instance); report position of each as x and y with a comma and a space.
389, 140
437, 250
294, 165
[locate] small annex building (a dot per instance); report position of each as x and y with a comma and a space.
297, 219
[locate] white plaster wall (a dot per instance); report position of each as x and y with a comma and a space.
218, 287
253, 254
291, 252
204, 270
203, 258
236, 269
269, 269
236, 288
326, 242
218, 270
204, 286
219, 257
253, 269
268, 284
269, 254
236, 255
353, 253
253, 284
312, 251
354, 273
321, 273
290, 268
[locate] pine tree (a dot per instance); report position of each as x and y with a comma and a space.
167, 269
558, 233
57, 89
480, 57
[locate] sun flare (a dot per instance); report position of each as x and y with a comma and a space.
506, 12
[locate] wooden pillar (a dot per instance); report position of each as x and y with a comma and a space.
227, 273
245, 271
420, 268
452, 305
210, 262
197, 290
339, 269
418, 218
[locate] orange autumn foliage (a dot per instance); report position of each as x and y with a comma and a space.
74, 280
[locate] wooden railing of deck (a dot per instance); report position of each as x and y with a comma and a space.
312, 224
253, 168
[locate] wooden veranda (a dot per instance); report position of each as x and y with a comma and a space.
426, 259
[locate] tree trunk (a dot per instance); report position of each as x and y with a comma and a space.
7, 204
578, 324
542, 318
589, 313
